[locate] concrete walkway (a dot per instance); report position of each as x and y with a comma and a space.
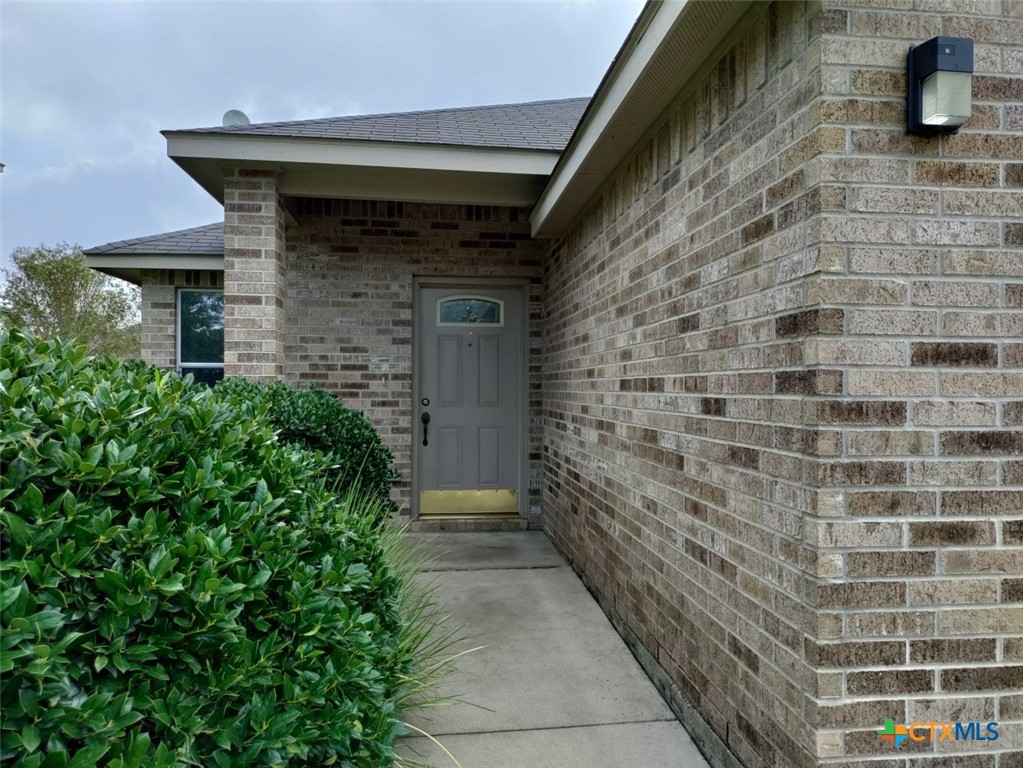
555, 685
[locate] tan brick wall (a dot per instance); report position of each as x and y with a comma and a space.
159, 310
917, 537
254, 242
782, 390
675, 388
350, 269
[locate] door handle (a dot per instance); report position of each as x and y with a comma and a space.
426, 421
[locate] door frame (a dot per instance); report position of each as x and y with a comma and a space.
465, 283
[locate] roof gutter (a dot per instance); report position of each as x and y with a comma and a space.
669, 44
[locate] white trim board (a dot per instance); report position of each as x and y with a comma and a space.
670, 49
359, 154
369, 170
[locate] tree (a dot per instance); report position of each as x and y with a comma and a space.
51, 291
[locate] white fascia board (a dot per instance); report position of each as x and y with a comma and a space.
131, 261
666, 14
279, 150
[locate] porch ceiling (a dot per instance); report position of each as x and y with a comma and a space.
368, 170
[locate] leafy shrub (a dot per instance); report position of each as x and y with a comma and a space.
175, 589
316, 419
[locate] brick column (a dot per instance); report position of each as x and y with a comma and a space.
159, 323
253, 276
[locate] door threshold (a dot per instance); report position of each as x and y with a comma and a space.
476, 524
459, 515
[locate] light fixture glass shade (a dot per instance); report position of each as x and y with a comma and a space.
947, 98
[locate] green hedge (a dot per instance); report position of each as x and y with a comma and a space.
317, 420
175, 588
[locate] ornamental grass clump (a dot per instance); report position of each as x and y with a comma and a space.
180, 587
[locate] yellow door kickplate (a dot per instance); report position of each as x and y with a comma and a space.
474, 503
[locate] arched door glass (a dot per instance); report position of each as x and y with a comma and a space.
470, 310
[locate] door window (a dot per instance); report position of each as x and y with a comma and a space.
470, 310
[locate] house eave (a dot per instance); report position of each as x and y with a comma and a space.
669, 45
368, 169
131, 266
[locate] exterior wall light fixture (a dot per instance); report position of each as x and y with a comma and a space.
939, 85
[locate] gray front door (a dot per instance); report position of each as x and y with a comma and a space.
471, 393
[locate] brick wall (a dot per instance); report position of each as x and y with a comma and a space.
674, 389
159, 310
254, 242
350, 269
781, 393
918, 536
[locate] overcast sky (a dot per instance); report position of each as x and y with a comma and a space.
87, 87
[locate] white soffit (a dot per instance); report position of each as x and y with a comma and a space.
129, 266
672, 42
370, 169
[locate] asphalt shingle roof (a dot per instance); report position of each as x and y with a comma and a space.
537, 125
541, 125
207, 240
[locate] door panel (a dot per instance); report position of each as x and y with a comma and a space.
449, 370
490, 371
490, 457
470, 348
449, 453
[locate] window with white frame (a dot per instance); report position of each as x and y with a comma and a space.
201, 334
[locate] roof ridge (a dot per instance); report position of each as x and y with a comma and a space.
378, 115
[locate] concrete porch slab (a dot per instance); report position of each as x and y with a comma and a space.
554, 685
631, 745
488, 551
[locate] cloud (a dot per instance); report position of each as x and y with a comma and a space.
33, 117
88, 86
